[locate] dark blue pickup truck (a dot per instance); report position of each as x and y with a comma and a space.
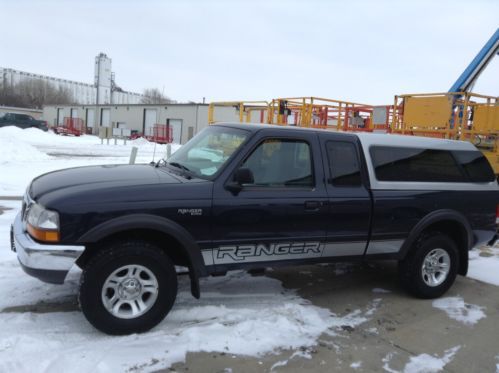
241, 196
22, 121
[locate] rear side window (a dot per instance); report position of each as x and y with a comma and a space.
475, 166
412, 164
343, 164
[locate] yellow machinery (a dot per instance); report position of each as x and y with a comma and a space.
456, 115
308, 112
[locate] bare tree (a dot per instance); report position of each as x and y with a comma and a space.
154, 96
34, 93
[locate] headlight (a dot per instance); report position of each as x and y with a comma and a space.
43, 224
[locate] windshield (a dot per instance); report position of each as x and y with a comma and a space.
208, 151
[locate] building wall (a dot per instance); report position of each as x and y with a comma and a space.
37, 114
101, 92
191, 118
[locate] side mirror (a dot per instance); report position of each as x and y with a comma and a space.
244, 176
241, 176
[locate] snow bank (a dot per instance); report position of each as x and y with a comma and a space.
26, 154
35, 136
468, 314
11, 151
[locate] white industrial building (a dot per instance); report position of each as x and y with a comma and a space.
185, 120
103, 91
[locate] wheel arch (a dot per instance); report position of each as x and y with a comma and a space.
449, 222
155, 229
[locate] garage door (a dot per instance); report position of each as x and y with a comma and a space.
150, 119
105, 118
74, 113
176, 126
60, 117
90, 118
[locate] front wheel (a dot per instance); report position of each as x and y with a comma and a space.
128, 288
430, 268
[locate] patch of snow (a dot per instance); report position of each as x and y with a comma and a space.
280, 363
457, 309
425, 363
381, 291
303, 353
483, 268
386, 363
356, 365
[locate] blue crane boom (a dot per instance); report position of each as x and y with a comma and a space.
479, 63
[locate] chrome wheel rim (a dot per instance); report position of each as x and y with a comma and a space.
435, 268
130, 291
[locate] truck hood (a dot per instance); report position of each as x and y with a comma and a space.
98, 177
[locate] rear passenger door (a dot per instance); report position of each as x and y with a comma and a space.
349, 197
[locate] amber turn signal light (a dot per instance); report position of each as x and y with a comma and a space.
43, 234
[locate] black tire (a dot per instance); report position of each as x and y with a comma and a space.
108, 261
411, 273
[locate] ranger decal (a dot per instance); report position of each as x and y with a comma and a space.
262, 252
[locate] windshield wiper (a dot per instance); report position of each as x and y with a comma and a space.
178, 165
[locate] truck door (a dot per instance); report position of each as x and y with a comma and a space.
280, 215
349, 197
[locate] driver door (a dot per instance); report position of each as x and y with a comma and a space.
280, 216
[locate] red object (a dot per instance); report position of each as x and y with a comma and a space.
160, 133
71, 126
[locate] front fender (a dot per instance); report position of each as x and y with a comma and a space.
157, 223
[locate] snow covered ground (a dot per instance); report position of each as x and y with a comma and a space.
238, 314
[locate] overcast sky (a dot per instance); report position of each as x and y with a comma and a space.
362, 51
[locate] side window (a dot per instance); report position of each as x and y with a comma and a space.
344, 164
413, 164
281, 163
475, 166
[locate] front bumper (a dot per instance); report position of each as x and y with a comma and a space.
48, 263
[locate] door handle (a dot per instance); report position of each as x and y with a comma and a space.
312, 205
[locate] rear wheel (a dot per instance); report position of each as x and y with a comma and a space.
430, 268
128, 288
